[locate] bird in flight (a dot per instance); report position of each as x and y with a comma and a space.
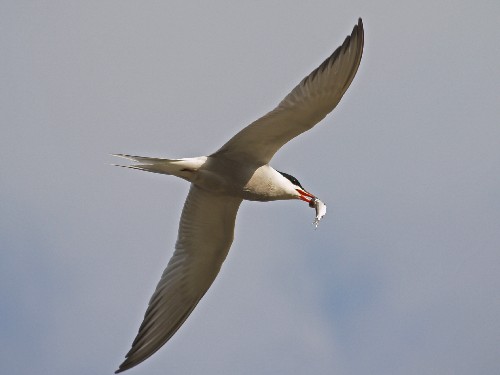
219, 182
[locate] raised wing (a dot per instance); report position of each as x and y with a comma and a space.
308, 103
205, 235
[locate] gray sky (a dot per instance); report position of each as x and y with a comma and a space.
400, 278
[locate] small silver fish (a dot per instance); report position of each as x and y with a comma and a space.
320, 208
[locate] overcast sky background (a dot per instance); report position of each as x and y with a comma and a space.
401, 277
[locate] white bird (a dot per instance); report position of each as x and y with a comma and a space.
219, 182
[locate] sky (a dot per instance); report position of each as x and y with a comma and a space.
401, 277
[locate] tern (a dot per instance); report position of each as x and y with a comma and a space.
219, 182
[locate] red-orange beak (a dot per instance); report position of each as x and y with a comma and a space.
305, 196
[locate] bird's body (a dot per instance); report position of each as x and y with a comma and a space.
223, 176
238, 171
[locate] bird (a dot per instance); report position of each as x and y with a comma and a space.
238, 171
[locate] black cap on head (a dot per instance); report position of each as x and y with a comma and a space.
292, 179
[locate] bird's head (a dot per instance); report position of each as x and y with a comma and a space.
301, 193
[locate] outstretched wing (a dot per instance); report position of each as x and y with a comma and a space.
205, 235
308, 103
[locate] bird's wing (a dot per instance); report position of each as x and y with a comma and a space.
205, 235
308, 103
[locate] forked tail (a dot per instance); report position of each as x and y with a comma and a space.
184, 168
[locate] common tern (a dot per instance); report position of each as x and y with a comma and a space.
219, 182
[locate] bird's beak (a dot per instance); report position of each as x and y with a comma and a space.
306, 196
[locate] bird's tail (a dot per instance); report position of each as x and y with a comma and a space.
183, 168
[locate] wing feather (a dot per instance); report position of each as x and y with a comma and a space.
307, 104
205, 235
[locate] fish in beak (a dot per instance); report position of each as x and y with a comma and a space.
315, 203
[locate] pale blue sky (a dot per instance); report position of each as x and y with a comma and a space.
402, 276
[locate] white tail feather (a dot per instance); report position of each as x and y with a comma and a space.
184, 168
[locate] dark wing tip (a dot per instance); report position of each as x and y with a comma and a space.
125, 366
357, 34
360, 29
